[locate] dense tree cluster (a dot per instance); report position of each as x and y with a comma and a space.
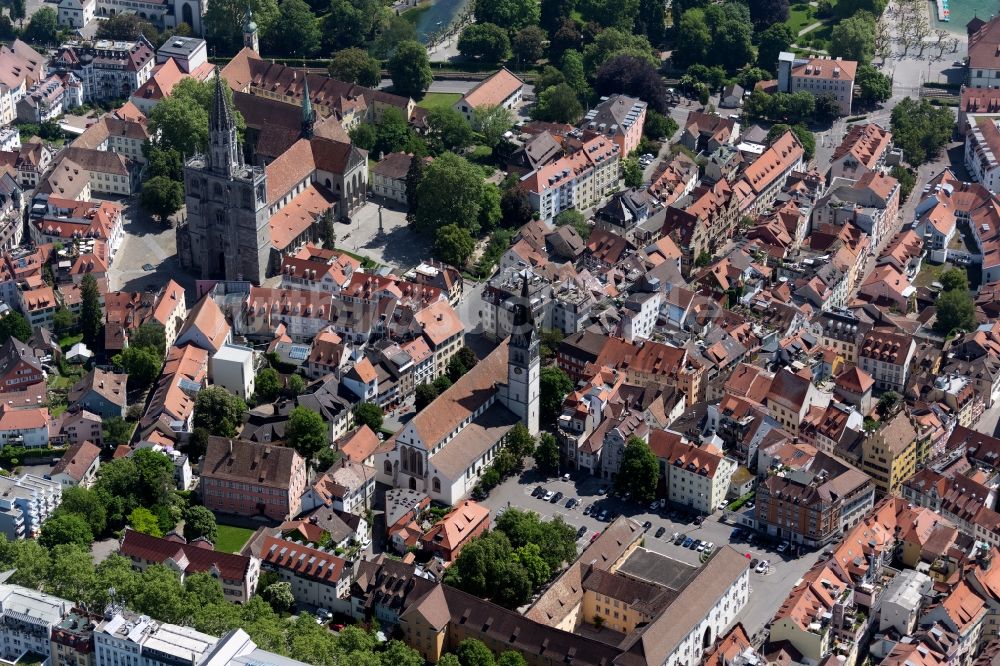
639, 473
518, 556
921, 129
792, 108
956, 309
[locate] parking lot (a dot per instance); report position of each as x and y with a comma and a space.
767, 590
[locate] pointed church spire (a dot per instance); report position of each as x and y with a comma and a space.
524, 322
222, 115
308, 115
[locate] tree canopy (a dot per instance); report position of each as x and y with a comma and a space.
308, 433
410, 69
354, 65
921, 129
553, 386
219, 411
484, 41
639, 472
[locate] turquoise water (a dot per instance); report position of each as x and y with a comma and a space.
963, 11
437, 16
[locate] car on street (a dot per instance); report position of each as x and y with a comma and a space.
687, 542
548, 495
594, 538
571, 503
565, 477
659, 531
737, 534
646, 525
679, 539
587, 509
580, 532
557, 498
783, 546
698, 520
147, 267
762, 566
539, 491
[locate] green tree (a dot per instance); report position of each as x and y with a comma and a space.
13, 324
219, 411
765, 13
307, 432
141, 365
364, 135
224, 22
442, 384
369, 414
554, 386
658, 126
453, 245
806, 138
854, 38
639, 473
511, 14
873, 85
921, 129
197, 444
162, 161
354, 65
328, 230
410, 69
267, 385
887, 404
573, 69
356, 22
423, 396
396, 31
492, 122
515, 207
72, 573
575, 219
143, 520
907, 181
43, 28
450, 192
117, 431
149, 336
295, 385
556, 539
448, 659
448, 130
84, 502
65, 527
398, 653
63, 322
955, 278
280, 597
548, 77
512, 657
618, 15
414, 174
472, 652
651, 21
295, 31
484, 41
91, 317
827, 106
127, 28
528, 44
391, 132
553, 13
632, 172
547, 454
200, 522
956, 311
558, 104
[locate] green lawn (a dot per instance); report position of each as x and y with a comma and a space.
68, 341
432, 101
231, 538
799, 16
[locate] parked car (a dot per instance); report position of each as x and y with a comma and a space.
687, 542
571, 503
709, 546
565, 477
694, 544
754, 562
675, 536
587, 509
603, 515
701, 546
539, 491
603, 490
594, 538
698, 520
659, 531
783, 546
557, 498
646, 525
679, 539
580, 532
762, 566
548, 495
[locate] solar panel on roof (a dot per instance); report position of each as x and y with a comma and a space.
299, 352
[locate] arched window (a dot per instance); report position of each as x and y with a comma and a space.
387, 468
187, 14
436, 484
413, 483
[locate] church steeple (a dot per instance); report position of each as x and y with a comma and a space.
523, 361
308, 115
224, 150
250, 40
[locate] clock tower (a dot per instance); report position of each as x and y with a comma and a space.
523, 362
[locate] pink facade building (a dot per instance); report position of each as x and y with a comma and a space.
619, 118
250, 479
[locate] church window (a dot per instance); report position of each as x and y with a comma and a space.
436, 484
217, 191
387, 468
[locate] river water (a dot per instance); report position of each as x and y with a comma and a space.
437, 16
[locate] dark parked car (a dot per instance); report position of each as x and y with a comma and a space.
698, 520
646, 525
580, 532
660, 531
571, 503
687, 542
694, 544
539, 491
557, 498
679, 540
587, 509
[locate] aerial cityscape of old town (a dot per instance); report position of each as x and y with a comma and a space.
499, 332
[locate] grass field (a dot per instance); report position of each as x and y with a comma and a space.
799, 16
231, 538
433, 101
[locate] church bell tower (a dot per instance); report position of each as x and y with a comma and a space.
523, 362
250, 39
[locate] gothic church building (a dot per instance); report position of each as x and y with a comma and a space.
447, 446
242, 217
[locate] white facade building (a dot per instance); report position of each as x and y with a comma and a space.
232, 367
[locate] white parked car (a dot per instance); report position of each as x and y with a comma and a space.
548, 495
762, 566
709, 547
783, 547
702, 546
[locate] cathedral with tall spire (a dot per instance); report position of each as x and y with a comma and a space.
243, 214
226, 233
